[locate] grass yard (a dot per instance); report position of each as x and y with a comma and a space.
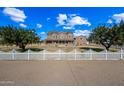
40, 47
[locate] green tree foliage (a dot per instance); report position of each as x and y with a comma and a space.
7, 35
18, 36
120, 34
108, 36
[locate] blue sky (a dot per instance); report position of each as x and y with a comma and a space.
79, 20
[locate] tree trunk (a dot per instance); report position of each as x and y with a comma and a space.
107, 47
22, 46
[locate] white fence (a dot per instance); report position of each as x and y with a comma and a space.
61, 55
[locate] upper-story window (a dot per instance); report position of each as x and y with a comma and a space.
69, 36
54, 36
62, 36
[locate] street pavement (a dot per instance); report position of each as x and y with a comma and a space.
61, 73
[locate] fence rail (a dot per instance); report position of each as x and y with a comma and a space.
61, 55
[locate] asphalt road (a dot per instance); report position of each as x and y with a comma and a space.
62, 73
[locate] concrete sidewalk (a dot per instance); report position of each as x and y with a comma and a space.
61, 73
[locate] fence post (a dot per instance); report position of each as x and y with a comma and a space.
59, 54
28, 54
91, 55
75, 55
106, 55
43, 54
121, 54
13, 54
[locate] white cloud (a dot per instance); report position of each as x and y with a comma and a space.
72, 15
71, 20
82, 32
23, 25
67, 27
39, 25
110, 21
77, 20
118, 17
42, 33
48, 19
15, 14
61, 19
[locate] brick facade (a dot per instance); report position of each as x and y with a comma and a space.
80, 40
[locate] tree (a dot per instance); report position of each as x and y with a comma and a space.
7, 35
105, 35
120, 34
26, 37
18, 36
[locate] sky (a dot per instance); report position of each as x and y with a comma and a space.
79, 20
